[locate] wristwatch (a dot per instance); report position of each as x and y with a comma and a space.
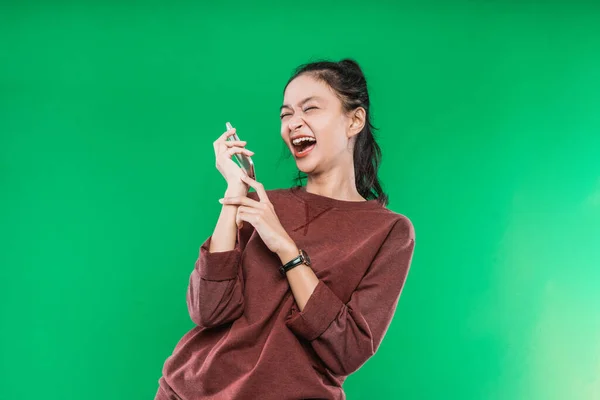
301, 259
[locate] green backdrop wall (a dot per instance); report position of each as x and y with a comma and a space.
489, 117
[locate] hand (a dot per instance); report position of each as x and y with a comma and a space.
224, 150
262, 216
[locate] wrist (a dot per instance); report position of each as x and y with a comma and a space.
234, 190
288, 253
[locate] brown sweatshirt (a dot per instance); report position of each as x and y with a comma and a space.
252, 342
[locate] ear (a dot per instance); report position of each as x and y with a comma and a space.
358, 117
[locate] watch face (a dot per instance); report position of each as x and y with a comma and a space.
306, 258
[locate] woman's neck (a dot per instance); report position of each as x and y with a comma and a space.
339, 190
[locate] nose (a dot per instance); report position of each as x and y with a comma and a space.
295, 123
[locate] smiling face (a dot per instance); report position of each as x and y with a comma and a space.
312, 110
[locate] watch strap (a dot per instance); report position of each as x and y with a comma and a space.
291, 264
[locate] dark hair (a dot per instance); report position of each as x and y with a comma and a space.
349, 83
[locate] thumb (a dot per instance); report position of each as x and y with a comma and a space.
238, 220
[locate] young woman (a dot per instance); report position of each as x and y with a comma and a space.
295, 289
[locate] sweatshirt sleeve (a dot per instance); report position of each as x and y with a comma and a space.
345, 336
215, 294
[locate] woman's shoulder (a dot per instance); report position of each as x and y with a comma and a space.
403, 226
398, 225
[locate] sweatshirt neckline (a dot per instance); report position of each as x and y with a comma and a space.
317, 199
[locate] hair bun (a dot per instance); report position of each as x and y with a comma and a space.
351, 66
349, 62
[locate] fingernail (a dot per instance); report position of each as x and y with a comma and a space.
221, 201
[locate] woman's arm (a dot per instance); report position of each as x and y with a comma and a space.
346, 335
225, 233
215, 290
302, 278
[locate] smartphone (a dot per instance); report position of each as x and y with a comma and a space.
244, 161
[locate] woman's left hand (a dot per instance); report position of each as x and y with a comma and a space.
262, 216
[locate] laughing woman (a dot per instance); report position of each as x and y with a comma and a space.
296, 287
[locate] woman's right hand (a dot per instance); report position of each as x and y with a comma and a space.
224, 150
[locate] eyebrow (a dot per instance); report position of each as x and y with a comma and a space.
302, 102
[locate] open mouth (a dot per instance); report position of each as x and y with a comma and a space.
303, 146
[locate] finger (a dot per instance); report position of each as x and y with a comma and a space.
232, 143
248, 210
241, 201
242, 217
260, 190
238, 219
226, 134
237, 150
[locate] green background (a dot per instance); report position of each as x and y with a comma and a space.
489, 117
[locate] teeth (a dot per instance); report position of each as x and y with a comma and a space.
303, 139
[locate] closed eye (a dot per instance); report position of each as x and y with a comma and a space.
305, 110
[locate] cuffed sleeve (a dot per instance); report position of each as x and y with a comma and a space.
215, 291
218, 266
315, 319
345, 336
215, 294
